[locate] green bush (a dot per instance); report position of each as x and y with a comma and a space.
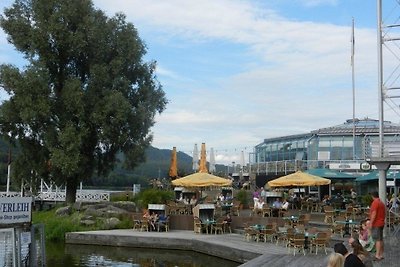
57, 226
121, 196
242, 196
153, 196
366, 200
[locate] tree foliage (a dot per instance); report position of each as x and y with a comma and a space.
84, 95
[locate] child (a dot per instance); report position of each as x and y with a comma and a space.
364, 235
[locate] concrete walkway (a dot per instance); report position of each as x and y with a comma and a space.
228, 246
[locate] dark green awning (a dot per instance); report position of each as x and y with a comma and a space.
330, 174
374, 175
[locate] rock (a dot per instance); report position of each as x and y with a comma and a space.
77, 206
107, 211
64, 211
125, 205
87, 222
111, 223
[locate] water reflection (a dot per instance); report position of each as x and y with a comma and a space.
88, 255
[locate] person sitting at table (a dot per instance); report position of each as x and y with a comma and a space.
285, 204
153, 220
186, 201
193, 200
277, 204
326, 201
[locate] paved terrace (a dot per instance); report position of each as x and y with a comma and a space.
228, 246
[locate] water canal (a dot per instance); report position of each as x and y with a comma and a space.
67, 255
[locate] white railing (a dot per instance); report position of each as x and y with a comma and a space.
10, 194
81, 195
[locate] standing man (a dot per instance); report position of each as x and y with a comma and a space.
377, 218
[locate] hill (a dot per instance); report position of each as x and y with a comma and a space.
156, 167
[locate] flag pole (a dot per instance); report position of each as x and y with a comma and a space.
8, 170
354, 90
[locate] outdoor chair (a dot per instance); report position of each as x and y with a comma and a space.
235, 210
319, 242
163, 224
198, 225
282, 212
297, 243
266, 211
268, 233
329, 214
339, 228
289, 236
218, 226
281, 235
251, 233
136, 222
227, 226
144, 225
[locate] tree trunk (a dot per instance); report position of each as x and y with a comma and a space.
72, 186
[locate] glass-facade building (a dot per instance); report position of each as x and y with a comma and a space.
346, 145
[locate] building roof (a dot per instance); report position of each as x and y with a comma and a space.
365, 126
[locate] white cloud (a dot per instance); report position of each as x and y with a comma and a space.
313, 3
285, 76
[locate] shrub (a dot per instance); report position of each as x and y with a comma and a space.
153, 196
57, 226
366, 200
242, 196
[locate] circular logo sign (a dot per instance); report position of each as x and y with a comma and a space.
365, 166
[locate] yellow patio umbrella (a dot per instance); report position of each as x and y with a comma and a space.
299, 178
173, 169
203, 160
201, 179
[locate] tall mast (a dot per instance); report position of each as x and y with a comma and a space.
354, 89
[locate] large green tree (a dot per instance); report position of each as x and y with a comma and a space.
84, 95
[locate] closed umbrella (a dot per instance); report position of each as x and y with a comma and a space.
173, 169
203, 160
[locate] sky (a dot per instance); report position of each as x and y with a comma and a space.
238, 71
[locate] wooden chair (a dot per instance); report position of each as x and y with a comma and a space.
136, 222
144, 225
198, 225
163, 225
251, 233
282, 212
266, 211
290, 235
339, 228
218, 226
319, 242
281, 235
268, 233
329, 214
297, 243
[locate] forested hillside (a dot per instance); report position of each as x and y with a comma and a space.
156, 166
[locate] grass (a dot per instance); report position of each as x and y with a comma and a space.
56, 226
